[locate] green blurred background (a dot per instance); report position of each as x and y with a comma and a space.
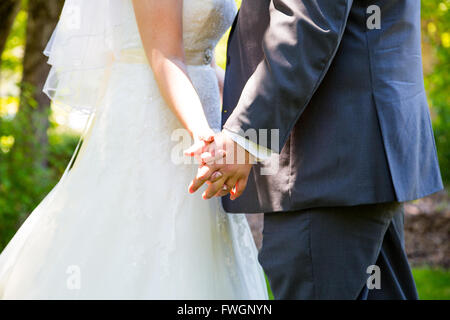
37, 141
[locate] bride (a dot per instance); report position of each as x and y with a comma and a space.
120, 223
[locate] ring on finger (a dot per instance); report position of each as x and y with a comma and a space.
216, 175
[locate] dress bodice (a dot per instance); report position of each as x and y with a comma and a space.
204, 23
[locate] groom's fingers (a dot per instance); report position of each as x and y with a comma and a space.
198, 181
195, 185
222, 193
203, 174
230, 183
214, 188
215, 176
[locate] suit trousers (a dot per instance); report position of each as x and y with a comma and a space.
337, 253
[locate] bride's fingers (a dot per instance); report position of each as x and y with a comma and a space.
204, 156
208, 158
196, 148
203, 172
207, 138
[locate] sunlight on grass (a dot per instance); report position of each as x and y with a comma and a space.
268, 289
432, 284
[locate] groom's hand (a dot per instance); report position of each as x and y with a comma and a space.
225, 168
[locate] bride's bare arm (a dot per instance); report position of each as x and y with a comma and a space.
160, 25
220, 74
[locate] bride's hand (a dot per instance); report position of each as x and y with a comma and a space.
206, 135
202, 138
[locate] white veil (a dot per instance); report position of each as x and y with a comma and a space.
82, 49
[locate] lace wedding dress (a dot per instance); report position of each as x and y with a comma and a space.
121, 224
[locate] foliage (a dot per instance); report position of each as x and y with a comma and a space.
436, 36
23, 185
24, 181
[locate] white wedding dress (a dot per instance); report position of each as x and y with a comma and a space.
121, 224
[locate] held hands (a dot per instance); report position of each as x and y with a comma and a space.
224, 166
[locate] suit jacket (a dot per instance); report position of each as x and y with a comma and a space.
348, 101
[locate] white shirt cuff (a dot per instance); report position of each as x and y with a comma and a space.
261, 153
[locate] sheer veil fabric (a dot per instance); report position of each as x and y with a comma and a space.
120, 224
84, 45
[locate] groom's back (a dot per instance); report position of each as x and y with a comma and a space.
365, 136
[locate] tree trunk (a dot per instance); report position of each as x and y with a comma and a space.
8, 12
32, 118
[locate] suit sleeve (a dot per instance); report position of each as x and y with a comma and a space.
299, 46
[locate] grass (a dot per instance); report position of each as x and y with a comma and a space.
269, 290
432, 283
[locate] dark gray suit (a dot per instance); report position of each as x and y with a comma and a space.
351, 110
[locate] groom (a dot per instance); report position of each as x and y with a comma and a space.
340, 82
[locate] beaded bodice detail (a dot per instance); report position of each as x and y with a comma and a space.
204, 23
